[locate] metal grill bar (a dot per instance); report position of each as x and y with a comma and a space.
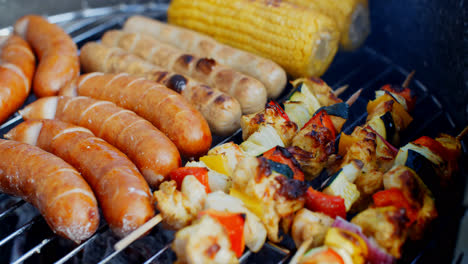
81, 246
20, 230
159, 253
34, 250
11, 209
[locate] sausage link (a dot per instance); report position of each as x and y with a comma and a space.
17, 65
221, 111
56, 51
268, 72
122, 192
151, 151
166, 109
54, 187
250, 92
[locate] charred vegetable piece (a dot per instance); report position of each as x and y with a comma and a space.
395, 197
341, 185
348, 241
262, 140
330, 205
322, 119
201, 174
404, 92
340, 109
281, 155
325, 255
278, 109
233, 223
218, 163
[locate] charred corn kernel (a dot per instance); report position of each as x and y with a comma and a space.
303, 41
351, 17
348, 241
218, 163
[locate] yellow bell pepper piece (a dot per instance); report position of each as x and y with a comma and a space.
218, 163
348, 241
253, 204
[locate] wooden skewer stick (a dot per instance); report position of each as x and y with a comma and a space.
462, 134
137, 233
301, 251
408, 80
352, 99
340, 90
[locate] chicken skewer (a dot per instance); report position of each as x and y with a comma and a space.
214, 152
404, 209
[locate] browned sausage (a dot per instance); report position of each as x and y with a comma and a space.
57, 53
166, 109
153, 153
17, 64
54, 187
264, 70
123, 194
221, 111
250, 92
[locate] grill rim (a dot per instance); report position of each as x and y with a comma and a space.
106, 18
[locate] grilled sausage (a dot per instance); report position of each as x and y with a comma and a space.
264, 70
54, 187
123, 194
151, 151
57, 53
166, 109
17, 64
250, 93
221, 111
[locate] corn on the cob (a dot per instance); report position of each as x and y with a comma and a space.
351, 17
301, 40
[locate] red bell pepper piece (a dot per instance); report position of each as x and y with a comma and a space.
322, 119
281, 155
433, 145
327, 256
200, 173
403, 92
395, 197
278, 109
330, 205
233, 223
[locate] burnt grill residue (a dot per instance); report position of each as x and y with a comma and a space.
263, 169
290, 188
205, 65
177, 83
160, 76
285, 153
186, 58
220, 99
212, 250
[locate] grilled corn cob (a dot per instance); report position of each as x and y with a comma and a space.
302, 40
351, 17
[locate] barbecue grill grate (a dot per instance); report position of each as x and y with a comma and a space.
25, 237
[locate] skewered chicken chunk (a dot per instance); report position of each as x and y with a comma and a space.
310, 225
178, 208
277, 196
417, 193
205, 241
387, 225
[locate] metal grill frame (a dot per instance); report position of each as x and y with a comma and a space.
348, 68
